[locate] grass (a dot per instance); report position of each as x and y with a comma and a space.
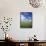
26, 24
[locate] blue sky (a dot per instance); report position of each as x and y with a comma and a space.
26, 16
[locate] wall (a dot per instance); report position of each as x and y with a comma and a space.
12, 8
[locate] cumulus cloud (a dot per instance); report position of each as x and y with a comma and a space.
23, 18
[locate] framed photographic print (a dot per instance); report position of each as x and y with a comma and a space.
25, 19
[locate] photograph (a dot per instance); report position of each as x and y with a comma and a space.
25, 19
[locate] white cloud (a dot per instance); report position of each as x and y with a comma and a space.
22, 17
30, 20
25, 19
